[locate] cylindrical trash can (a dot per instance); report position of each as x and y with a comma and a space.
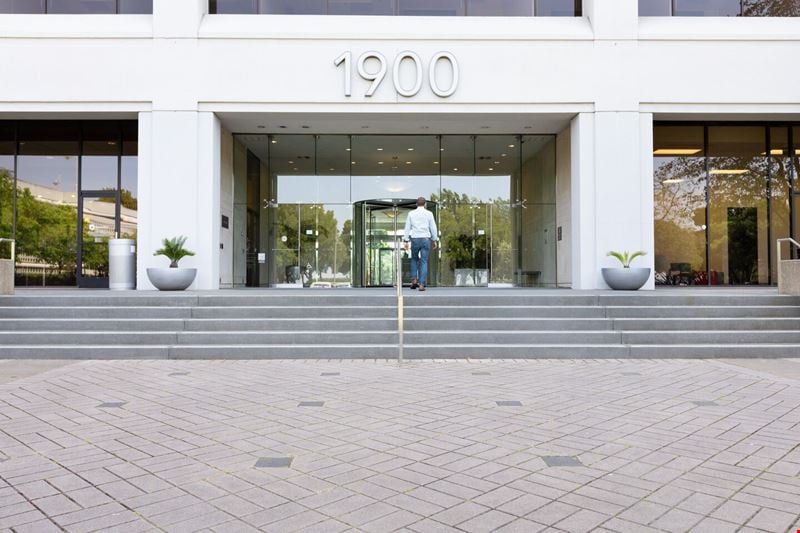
121, 264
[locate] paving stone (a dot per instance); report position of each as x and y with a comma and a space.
561, 460
509, 403
274, 462
771, 520
108, 405
311, 404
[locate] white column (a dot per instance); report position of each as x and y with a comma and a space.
178, 18
179, 181
584, 271
647, 209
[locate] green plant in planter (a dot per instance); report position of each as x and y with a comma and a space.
626, 258
173, 250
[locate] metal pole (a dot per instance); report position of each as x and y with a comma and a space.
399, 283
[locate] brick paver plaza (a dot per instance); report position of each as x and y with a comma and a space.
433, 446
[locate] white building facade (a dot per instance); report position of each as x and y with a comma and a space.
542, 142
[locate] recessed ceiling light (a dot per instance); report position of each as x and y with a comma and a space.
296, 168
425, 127
677, 151
380, 162
503, 155
511, 146
408, 162
364, 127
305, 127
261, 126
347, 149
394, 168
282, 127
528, 127
352, 162
291, 162
274, 141
441, 149
484, 127
490, 169
331, 168
380, 149
435, 162
497, 162
410, 149
731, 172
455, 169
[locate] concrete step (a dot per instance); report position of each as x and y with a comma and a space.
95, 312
274, 351
702, 311
287, 337
506, 324
473, 337
520, 351
751, 351
300, 299
500, 311
197, 337
731, 338
94, 324
712, 324
101, 299
326, 311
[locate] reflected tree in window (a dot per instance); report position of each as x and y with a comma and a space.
771, 8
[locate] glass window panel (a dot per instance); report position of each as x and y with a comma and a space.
771, 8
707, 8
795, 174
6, 203
99, 173
736, 141
22, 6
796, 219
780, 191
7, 138
361, 7
82, 6
136, 7
49, 138
101, 138
500, 8
99, 216
46, 220
558, 8
655, 8
679, 181
129, 203
130, 137
431, 8
292, 7
536, 211
325, 244
394, 167
333, 168
233, 7
738, 211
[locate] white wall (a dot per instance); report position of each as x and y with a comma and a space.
226, 209
563, 209
610, 73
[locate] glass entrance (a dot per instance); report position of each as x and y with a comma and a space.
378, 231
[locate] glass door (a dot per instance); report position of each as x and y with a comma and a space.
98, 221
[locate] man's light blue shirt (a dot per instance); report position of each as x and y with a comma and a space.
420, 225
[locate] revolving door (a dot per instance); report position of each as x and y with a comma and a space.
377, 233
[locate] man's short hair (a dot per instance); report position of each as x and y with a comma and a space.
421, 201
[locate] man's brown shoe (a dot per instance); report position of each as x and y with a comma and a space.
414, 284
421, 288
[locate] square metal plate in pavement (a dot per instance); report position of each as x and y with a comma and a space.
481, 374
702, 403
310, 404
509, 403
330, 373
274, 462
179, 374
561, 460
112, 404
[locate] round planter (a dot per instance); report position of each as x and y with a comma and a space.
626, 279
171, 279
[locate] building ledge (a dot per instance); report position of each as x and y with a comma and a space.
76, 26
719, 29
390, 28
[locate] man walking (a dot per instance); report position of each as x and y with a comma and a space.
421, 231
